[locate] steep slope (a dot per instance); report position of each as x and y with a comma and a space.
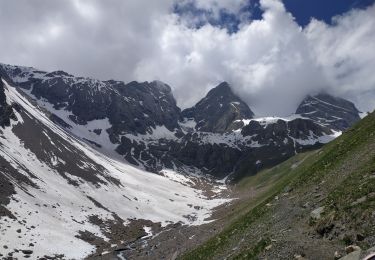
315, 205
6, 110
333, 112
219, 111
60, 197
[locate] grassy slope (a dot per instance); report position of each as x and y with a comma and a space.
350, 192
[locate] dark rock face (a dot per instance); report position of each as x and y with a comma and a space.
140, 106
334, 112
217, 159
257, 146
277, 142
219, 110
148, 129
284, 131
134, 107
6, 110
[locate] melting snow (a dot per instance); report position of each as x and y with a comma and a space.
312, 139
188, 123
68, 208
270, 119
148, 231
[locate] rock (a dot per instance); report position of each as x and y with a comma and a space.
316, 213
306, 205
355, 255
288, 189
337, 255
359, 201
19, 230
317, 195
27, 251
369, 254
299, 257
360, 237
174, 256
268, 247
352, 248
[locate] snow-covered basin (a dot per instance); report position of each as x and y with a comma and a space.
59, 210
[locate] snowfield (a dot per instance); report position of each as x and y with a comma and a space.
51, 213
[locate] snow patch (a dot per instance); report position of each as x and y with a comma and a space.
140, 195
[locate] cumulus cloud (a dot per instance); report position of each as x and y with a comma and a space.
271, 63
346, 53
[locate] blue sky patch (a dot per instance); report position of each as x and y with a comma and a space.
302, 10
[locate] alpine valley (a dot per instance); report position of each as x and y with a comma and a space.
108, 170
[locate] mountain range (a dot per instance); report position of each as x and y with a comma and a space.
104, 163
142, 123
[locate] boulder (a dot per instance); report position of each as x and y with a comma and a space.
316, 213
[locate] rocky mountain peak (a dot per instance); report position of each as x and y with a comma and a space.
220, 111
161, 86
149, 103
221, 89
334, 112
58, 73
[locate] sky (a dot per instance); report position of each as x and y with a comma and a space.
272, 52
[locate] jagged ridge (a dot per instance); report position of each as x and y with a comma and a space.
142, 123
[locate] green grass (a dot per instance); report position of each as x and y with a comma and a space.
278, 178
353, 203
312, 169
252, 252
270, 176
334, 153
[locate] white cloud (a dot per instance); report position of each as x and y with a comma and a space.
346, 53
267, 61
272, 63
